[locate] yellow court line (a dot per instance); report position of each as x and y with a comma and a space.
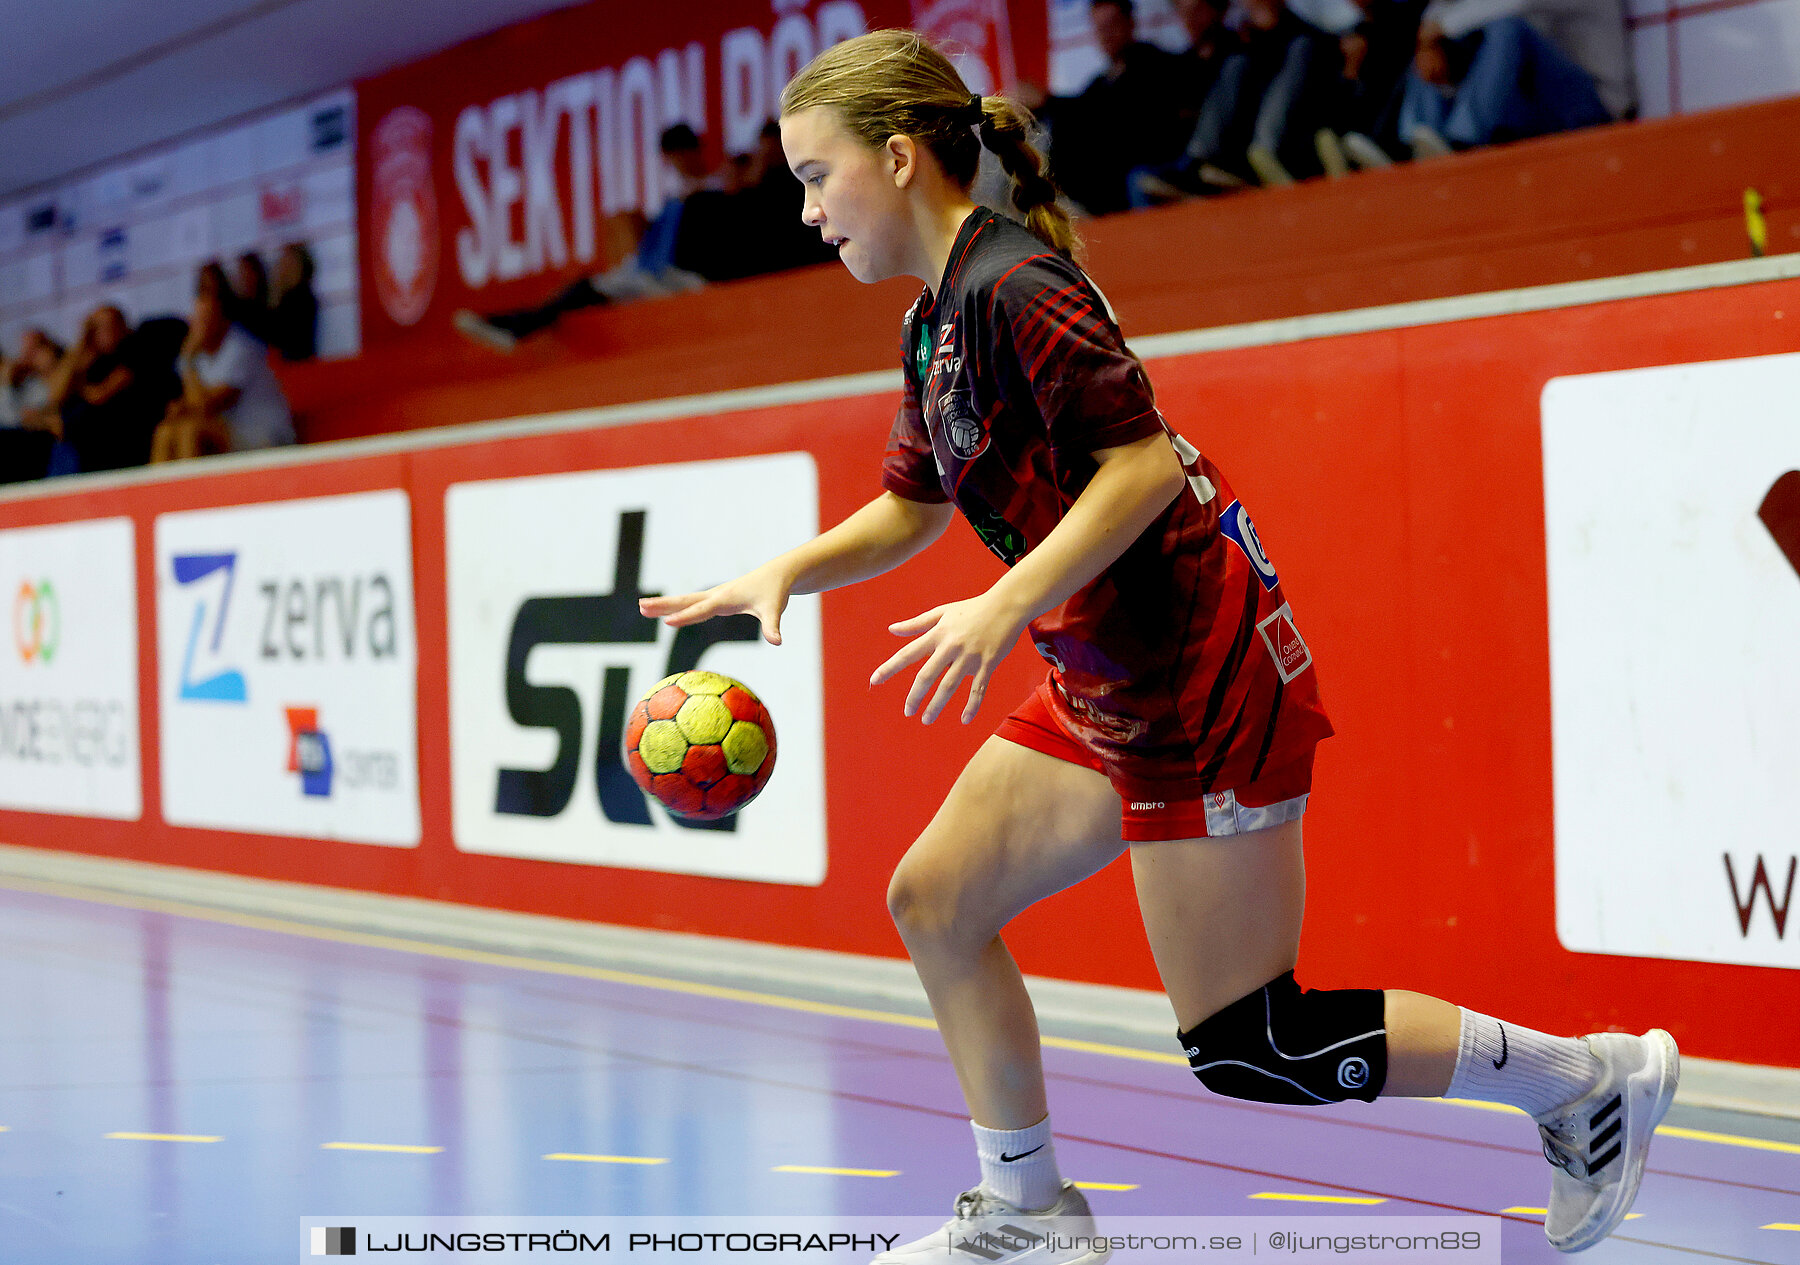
425, 948
1105, 1186
380, 1146
1782, 1225
1729, 1139
836, 1172
1318, 1199
1544, 1212
605, 1159
1481, 1106
166, 1137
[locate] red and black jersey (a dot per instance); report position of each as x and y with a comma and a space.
1181, 660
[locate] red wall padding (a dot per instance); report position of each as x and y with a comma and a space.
1396, 479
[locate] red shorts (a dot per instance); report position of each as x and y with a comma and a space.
1154, 811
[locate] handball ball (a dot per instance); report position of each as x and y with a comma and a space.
701, 743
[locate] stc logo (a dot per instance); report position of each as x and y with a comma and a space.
309, 751
37, 622
596, 619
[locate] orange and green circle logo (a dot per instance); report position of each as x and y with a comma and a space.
37, 622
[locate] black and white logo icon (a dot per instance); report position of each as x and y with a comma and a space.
1353, 1073
962, 427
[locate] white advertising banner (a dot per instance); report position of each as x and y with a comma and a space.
548, 653
69, 680
1672, 505
288, 662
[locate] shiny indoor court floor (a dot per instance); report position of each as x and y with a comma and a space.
181, 1084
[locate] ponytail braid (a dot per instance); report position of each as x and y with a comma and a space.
1005, 130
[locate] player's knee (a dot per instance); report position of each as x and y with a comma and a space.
937, 904
1282, 1045
921, 903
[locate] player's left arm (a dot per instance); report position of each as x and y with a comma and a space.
1134, 484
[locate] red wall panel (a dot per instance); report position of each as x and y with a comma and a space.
1396, 478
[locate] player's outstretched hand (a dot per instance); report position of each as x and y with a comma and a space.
762, 593
962, 639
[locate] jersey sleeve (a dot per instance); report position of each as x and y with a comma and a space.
909, 469
1070, 357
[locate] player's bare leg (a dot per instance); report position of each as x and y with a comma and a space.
1017, 826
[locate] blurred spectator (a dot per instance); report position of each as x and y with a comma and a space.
649, 270
1212, 47
210, 278
109, 394
27, 422
230, 399
1128, 116
247, 302
1258, 121
1499, 70
25, 381
1362, 124
755, 226
294, 308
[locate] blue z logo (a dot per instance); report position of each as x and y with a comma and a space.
1235, 522
221, 687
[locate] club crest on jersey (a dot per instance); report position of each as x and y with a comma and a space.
1290, 652
962, 428
1234, 521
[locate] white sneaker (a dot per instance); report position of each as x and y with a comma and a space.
477, 327
1598, 1142
1267, 167
1330, 148
1365, 153
987, 1230
1427, 143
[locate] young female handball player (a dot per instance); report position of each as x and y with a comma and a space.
1180, 711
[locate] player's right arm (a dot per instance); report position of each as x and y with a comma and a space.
874, 540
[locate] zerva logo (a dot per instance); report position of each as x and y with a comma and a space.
301, 621
193, 570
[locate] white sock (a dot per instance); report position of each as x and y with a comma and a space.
1502, 1062
1019, 1165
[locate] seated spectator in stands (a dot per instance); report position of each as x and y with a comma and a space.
25, 381
230, 399
27, 422
294, 309
1496, 70
247, 303
1377, 46
1129, 116
754, 226
210, 278
1259, 121
1212, 48
650, 270
107, 396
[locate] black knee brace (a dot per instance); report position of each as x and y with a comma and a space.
1282, 1045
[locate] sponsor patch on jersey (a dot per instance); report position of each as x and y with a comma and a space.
1235, 522
1285, 644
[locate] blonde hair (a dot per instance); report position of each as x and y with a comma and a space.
888, 83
